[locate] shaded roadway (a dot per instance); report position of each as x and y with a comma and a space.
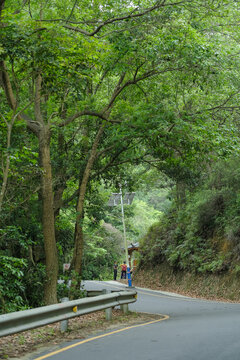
196, 330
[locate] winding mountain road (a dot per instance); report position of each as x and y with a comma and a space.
191, 329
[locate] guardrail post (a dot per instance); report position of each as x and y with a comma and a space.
124, 308
64, 323
108, 312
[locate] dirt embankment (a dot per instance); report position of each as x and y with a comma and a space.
223, 287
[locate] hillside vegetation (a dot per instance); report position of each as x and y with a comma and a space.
196, 244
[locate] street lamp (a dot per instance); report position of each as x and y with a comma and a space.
114, 200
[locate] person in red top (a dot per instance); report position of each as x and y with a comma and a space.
124, 270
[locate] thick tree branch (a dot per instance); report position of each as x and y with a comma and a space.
111, 147
70, 198
112, 160
6, 84
7, 87
105, 74
2, 3
219, 107
82, 113
129, 16
37, 100
134, 81
118, 89
6, 165
104, 115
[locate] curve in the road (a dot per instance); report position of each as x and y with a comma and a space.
197, 329
163, 317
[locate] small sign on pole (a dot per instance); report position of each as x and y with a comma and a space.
66, 267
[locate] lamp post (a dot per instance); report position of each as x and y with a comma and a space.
125, 241
114, 200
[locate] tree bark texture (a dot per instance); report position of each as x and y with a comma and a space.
50, 291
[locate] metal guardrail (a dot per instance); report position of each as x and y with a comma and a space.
16, 322
91, 293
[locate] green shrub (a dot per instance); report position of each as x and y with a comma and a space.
34, 279
12, 289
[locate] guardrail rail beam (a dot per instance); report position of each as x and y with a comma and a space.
19, 321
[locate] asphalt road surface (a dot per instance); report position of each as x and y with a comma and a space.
192, 329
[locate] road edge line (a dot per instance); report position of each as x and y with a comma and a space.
165, 317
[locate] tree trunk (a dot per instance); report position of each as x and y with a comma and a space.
60, 177
50, 291
78, 236
180, 194
5, 167
42, 131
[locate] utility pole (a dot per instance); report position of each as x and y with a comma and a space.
125, 241
127, 199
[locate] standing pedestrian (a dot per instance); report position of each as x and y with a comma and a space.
115, 269
124, 270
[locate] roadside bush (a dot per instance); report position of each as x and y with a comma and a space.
34, 284
12, 296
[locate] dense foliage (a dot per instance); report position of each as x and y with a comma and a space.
203, 235
97, 93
